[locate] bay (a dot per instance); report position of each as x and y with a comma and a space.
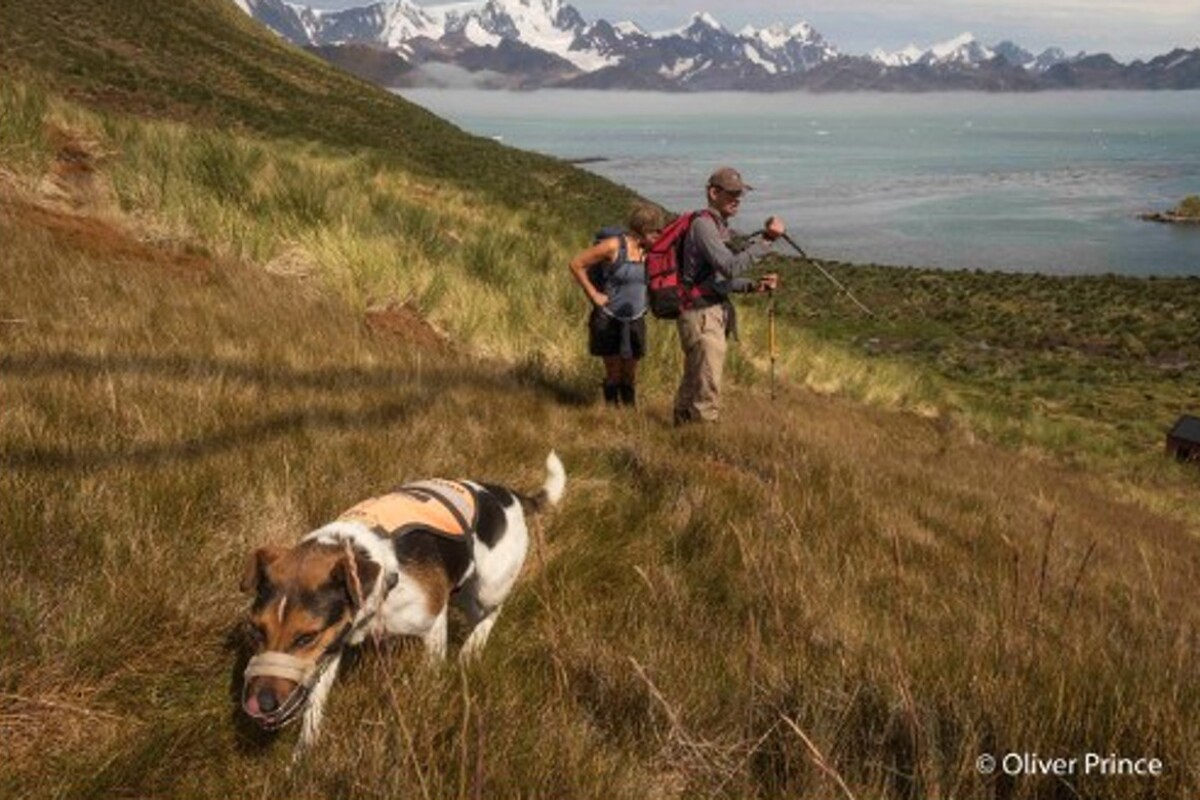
1046, 182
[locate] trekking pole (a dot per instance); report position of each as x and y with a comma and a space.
825, 272
771, 349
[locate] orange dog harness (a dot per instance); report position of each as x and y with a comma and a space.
445, 507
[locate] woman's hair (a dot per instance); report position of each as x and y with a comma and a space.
645, 218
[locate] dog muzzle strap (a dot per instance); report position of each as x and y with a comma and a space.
274, 664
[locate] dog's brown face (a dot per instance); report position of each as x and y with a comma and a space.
305, 599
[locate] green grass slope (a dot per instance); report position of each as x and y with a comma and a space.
205, 62
1091, 368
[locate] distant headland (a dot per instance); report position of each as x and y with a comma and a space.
1186, 213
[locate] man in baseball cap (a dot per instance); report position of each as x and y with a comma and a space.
707, 263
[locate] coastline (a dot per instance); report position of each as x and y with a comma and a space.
1048, 183
1168, 217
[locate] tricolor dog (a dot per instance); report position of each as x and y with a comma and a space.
387, 567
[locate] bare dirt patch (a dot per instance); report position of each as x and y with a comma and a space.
102, 239
403, 321
74, 180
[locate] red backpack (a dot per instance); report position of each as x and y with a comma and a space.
668, 294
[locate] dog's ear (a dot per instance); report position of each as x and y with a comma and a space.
255, 571
358, 574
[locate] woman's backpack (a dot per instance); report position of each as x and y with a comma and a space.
597, 274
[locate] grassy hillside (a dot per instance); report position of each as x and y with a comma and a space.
705, 601
205, 62
350, 223
216, 334
1093, 369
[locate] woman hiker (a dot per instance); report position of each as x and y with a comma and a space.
612, 273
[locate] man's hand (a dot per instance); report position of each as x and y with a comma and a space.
773, 228
768, 282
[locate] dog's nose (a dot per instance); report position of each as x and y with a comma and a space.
267, 702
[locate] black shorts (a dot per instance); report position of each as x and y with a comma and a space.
605, 335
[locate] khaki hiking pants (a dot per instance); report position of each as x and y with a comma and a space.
702, 337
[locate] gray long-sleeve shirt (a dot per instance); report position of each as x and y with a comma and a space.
707, 261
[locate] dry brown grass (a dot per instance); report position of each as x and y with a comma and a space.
904, 596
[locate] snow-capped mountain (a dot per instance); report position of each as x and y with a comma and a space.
547, 25
705, 45
963, 49
533, 43
782, 49
290, 22
1050, 57
901, 58
704, 54
701, 50
966, 50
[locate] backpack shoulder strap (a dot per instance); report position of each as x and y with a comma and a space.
622, 250
671, 237
704, 212
603, 269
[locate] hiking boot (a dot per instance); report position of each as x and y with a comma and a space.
628, 394
612, 394
692, 418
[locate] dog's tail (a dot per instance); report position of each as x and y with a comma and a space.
552, 490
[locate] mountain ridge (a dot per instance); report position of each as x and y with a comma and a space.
513, 39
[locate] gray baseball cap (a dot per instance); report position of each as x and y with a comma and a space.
729, 179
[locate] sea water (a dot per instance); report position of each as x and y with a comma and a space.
1044, 182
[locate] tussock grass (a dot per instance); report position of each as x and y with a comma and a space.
22, 136
704, 602
369, 232
205, 62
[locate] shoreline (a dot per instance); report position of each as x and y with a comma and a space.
1168, 217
